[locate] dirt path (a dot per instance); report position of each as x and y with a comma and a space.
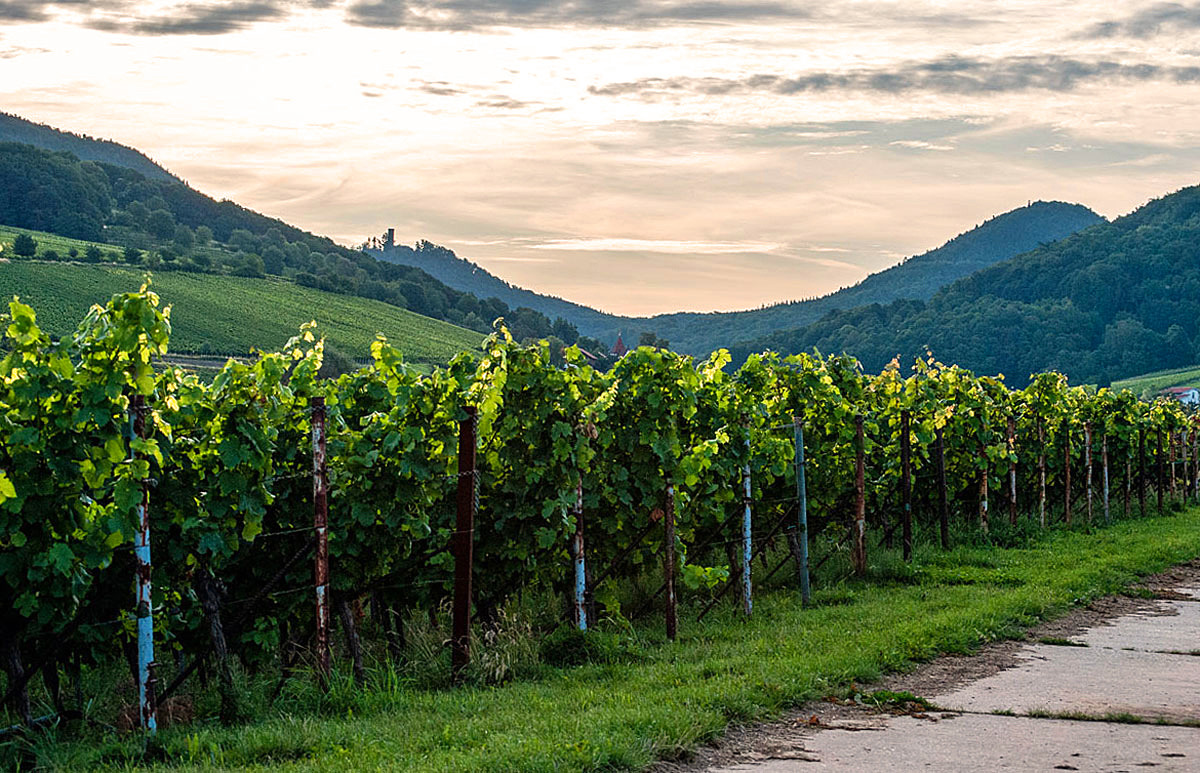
1114, 686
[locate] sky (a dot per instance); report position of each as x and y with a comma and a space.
639, 156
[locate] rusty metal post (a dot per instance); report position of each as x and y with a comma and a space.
145, 601
747, 533
1104, 466
1041, 430
1066, 472
802, 497
672, 619
1158, 458
1087, 463
321, 528
580, 565
1012, 471
859, 551
464, 542
943, 491
906, 483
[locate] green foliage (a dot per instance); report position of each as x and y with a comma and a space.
228, 464
150, 217
221, 315
24, 246
1108, 302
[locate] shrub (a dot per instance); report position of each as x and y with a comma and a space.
25, 246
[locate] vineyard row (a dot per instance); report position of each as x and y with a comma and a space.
141, 506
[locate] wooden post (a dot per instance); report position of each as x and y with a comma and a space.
1195, 464
859, 552
1158, 458
1012, 471
1184, 441
1066, 472
669, 561
943, 491
1142, 470
1104, 465
799, 539
1041, 430
906, 483
581, 618
321, 527
467, 501
1128, 480
1172, 459
1087, 463
983, 489
747, 533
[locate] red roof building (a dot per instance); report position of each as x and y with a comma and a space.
619, 349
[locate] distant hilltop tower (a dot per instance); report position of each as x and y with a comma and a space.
389, 238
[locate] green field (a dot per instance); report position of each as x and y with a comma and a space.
1150, 384
60, 244
230, 315
650, 699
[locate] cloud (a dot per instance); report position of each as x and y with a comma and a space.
196, 18
19, 10
182, 18
1149, 22
12, 52
502, 102
39, 10
673, 247
471, 14
947, 75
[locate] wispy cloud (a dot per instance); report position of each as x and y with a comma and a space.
473, 14
670, 246
195, 18
1148, 22
948, 75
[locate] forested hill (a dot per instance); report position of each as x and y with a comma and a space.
995, 240
165, 225
16, 129
462, 274
1114, 300
919, 277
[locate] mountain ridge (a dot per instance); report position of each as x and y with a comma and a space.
14, 128
915, 278
1113, 300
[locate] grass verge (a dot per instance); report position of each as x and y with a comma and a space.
622, 714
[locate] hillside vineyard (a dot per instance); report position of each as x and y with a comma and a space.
658, 462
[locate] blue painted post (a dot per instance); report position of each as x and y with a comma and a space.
145, 602
747, 535
802, 497
580, 566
